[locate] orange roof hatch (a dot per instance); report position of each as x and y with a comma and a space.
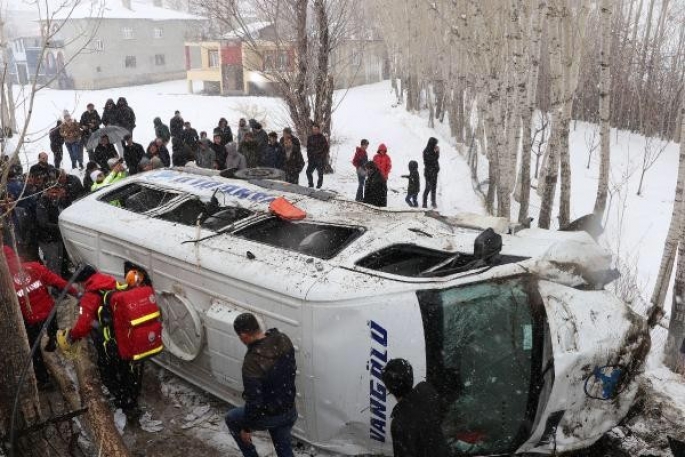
286, 210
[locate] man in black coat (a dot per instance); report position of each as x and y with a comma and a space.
431, 168
375, 187
189, 135
317, 150
133, 152
57, 144
416, 424
176, 125
125, 117
90, 122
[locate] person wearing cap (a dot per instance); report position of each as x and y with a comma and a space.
416, 420
133, 152
117, 171
98, 179
269, 390
317, 150
120, 377
273, 155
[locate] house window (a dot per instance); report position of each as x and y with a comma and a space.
276, 61
158, 32
356, 57
99, 45
127, 33
159, 59
213, 58
130, 62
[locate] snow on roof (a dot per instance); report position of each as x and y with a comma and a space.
116, 10
251, 30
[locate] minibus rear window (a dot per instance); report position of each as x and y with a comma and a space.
137, 198
317, 240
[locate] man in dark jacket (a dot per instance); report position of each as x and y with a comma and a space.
90, 122
431, 168
103, 152
376, 187
50, 242
219, 150
109, 113
57, 144
317, 150
161, 130
157, 149
189, 135
262, 140
126, 117
176, 125
416, 424
269, 388
133, 152
293, 162
274, 153
72, 186
42, 170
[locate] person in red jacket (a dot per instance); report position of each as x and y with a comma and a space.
31, 281
382, 160
122, 378
359, 160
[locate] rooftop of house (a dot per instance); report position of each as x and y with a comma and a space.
139, 9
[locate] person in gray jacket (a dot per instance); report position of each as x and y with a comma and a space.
205, 157
234, 159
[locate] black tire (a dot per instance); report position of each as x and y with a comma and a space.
259, 173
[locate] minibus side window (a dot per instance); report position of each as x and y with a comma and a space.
483, 351
137, 198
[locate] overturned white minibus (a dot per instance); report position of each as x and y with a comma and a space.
525, 347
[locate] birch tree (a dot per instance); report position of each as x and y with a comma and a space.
604, 109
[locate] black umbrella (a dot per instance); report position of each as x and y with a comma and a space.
113, 132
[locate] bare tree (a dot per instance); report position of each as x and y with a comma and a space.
604, 109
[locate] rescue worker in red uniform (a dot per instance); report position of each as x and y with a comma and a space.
122, 378
31, 281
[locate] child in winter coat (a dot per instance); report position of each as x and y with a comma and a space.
414, 184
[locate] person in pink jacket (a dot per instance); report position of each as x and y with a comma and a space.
382, 160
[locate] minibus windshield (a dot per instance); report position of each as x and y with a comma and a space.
483, 353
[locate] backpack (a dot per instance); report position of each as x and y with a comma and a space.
132, 318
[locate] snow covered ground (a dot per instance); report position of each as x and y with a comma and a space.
636, 226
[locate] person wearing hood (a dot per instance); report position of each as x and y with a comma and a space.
103, 152
293, 162
376, 187
383, 161
205, 156
234, 159
133, 152
176, 125
161, 130
126, 117
358, 162
414, 184
431, 168
31, 281
243, 128
224, 130
109, 113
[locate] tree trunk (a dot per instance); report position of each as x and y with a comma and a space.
99, 414
299, 107
604, 109
675, 230
322, 81
439, 86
